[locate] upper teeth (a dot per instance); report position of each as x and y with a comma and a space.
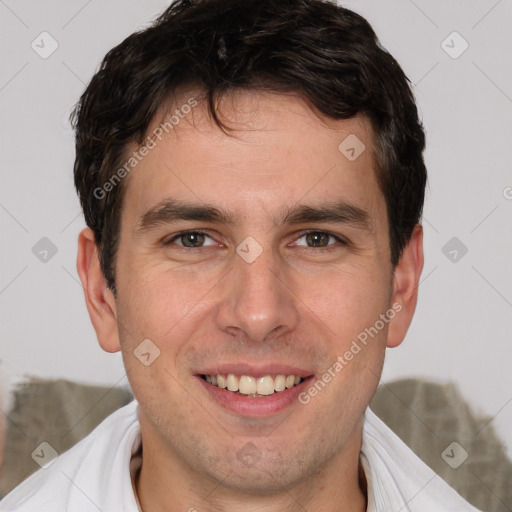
248, 385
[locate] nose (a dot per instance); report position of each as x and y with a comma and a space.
257, 301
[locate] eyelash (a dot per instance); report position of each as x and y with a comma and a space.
331, 247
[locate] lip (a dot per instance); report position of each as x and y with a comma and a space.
254, 407
255, 370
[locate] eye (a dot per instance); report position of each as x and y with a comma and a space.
319, 239
190, 239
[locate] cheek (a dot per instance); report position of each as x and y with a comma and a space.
348, 300
160, 306
352, 308
160, 301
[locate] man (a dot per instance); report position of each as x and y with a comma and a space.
252, 178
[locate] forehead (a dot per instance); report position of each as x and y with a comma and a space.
280, 152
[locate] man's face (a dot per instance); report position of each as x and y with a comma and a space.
254, 294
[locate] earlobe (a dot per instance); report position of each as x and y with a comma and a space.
99, 298
405, 287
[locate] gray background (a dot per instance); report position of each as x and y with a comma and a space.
461, 331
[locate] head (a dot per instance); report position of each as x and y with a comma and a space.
286, 142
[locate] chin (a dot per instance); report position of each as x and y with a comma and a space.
263, 468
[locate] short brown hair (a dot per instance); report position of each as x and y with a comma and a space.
326, 53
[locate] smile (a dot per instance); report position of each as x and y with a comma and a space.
255, 387
254, 391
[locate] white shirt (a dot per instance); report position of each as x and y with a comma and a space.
94, 475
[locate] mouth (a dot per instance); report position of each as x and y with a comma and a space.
254, 387
255, 393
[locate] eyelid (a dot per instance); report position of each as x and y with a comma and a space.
169, 240
339, 238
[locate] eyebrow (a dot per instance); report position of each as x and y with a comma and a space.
335, 212
172, 210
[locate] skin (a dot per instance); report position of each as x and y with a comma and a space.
294, 305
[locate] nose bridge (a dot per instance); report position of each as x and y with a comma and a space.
259, 279
257, 299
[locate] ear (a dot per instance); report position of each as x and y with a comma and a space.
405, 287
99, 298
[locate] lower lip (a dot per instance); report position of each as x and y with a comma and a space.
254, 407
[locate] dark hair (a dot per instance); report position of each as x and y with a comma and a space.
327, 54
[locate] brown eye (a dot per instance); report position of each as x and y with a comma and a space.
191, 240
317, 239
320, 240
